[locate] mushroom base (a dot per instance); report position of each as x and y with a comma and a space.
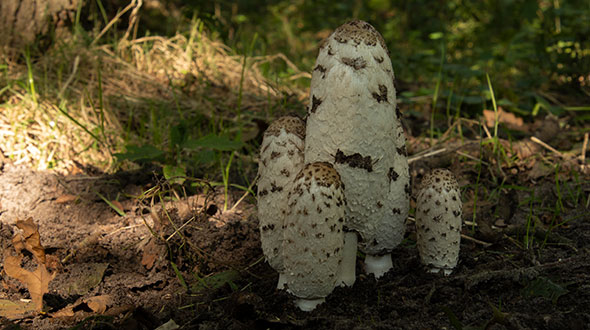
282, 283
436, 270
307, 305
378, 265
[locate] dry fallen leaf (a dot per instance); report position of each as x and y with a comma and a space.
66, 198
507, 118
13, 310
99, 304
151, 253
37, 281
29, 239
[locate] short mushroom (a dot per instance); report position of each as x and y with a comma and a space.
438, 221
313, 235
281, 158
353, 123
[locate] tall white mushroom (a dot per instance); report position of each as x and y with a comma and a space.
281, 158
313, 235
438, 221
353, 123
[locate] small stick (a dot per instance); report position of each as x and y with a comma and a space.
584, 146
469, 238
245, 194
546, 146
428, 154
485, 128
472, 158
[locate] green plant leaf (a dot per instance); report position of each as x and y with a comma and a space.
544, 287
145, 153
174, 174
178, 134
216, 281
212, 141
205, 157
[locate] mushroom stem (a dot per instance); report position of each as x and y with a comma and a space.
282, 283
348, 266
378, 265
307, 305
436, 270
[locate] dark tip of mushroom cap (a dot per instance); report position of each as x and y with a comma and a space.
324, 174
359, 32
290, 124
440, 179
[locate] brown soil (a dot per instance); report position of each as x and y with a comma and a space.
222, 282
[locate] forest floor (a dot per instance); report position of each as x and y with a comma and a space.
524, 260
95, 249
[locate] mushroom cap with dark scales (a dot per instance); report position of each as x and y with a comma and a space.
352, 123
438, 220
281, 158
290, 124
313, 237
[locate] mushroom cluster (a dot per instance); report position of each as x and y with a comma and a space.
310, 224
353, 123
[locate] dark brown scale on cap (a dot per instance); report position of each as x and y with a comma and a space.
321, 69
315, 103
357, 63
290, 124
355, 160
382, 95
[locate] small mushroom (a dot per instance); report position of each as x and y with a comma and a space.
438, 221
313, 235
281, 158
353, 123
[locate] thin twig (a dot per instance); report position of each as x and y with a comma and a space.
546, 146
245, 194
419, 156
482, 243
584, 146
71, 77
113, 21
472, 158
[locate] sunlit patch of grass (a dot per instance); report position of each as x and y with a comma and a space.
96, 100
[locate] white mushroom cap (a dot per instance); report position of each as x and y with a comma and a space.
353, 123
313, 235
281, 158
438, 221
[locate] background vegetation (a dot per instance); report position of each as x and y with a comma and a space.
191, 84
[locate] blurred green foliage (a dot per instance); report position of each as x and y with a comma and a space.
529, 47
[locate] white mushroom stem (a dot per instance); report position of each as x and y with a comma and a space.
378, 265
307, 305
348, 266
282, 283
